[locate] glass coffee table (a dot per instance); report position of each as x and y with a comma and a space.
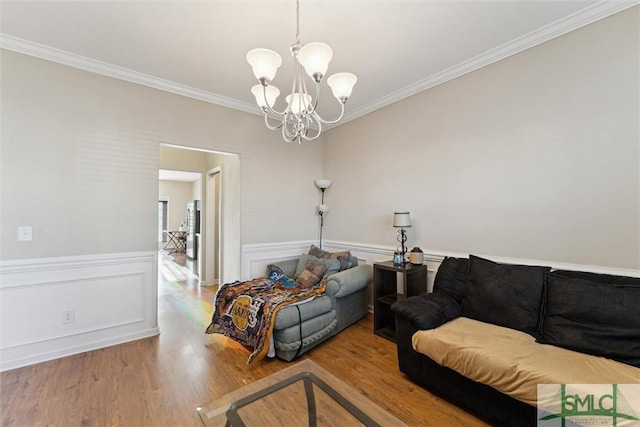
302, 394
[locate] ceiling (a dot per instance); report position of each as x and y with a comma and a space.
198, 48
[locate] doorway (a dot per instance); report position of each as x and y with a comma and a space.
218, 189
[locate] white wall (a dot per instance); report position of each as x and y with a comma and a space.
534, 157
80, 156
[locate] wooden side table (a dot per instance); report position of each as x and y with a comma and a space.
386, 277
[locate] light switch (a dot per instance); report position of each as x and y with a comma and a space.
25, 233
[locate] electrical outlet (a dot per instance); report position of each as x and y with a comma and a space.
68, 316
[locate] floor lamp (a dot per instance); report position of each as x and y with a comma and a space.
322, 184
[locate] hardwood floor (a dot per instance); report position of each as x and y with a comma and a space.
160, 381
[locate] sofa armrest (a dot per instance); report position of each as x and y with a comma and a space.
288, 267
427, 311
349, 281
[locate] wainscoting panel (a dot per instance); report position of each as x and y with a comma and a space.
257, 257
61, 306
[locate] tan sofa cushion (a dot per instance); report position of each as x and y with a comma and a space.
512, 362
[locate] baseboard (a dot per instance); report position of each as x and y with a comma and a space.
113, 298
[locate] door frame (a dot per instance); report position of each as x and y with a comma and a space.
213, 236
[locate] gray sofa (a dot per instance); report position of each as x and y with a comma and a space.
299, 328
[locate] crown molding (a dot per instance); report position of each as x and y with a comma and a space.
582, 18
586, 16
48, 53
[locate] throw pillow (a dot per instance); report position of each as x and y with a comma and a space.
506, 295
345, 258
312, 273
333, 265
275, 274
451, 278
594, 318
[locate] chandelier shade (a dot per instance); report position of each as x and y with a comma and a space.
265, 63
300, 119
271, 93
315, 58
341, 85
299, 102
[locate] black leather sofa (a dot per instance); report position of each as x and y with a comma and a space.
456, 294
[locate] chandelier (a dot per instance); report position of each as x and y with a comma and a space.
300, 119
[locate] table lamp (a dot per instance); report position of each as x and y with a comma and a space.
402, 220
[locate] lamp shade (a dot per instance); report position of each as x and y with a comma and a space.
323, 184
299, 102
272, 94
401, 219
341, 85
315, 58
264, 62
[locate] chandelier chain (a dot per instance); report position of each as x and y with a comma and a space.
297, 22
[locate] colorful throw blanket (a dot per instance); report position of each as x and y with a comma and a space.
246, 311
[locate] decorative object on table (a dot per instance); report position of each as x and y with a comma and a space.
322, 184
416, 256
300, 114
402, 220
397, 258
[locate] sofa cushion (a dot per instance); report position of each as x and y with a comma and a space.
512, 362
507, 295
333, 265
275, 274
451, 278
345, 258
313, 272
310, 308
594, 318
